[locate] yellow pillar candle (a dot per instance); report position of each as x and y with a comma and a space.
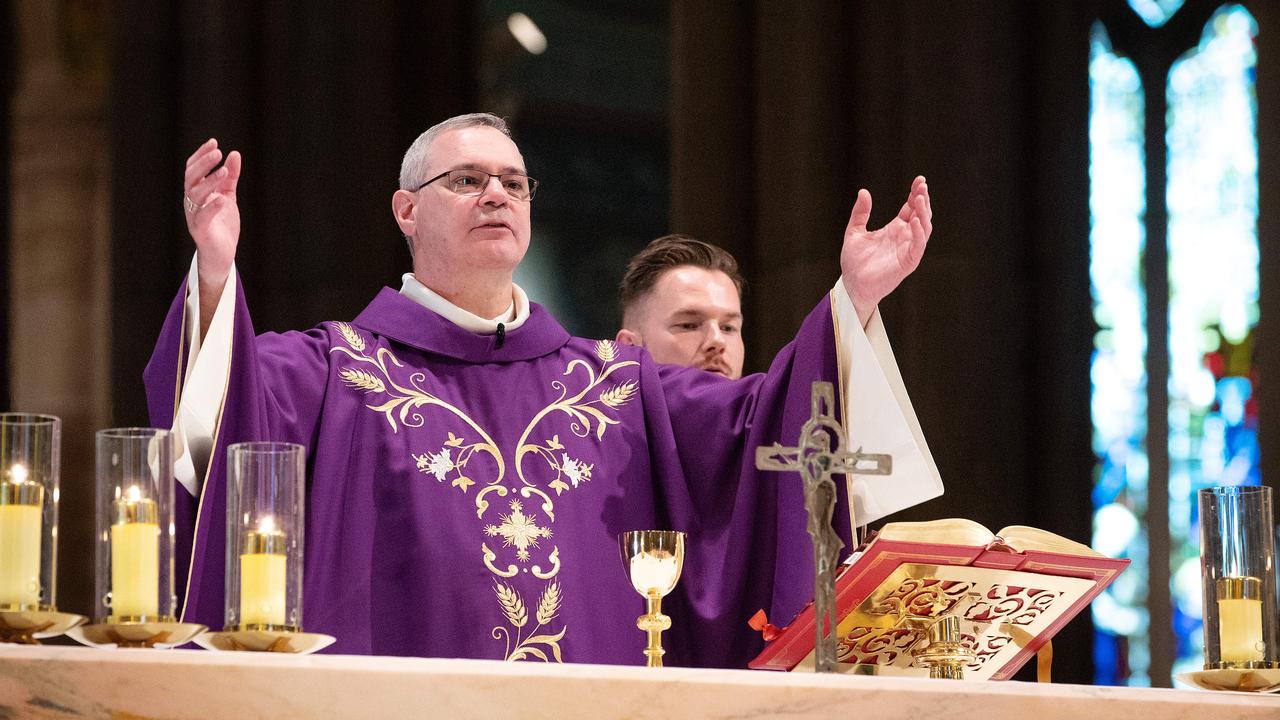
1240, 619
21, 506
135, 558
262, 576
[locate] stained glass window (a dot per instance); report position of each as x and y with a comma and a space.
1117, 182
1212, 197
1212, 201
1155, 12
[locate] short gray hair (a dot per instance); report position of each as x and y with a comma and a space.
414, 165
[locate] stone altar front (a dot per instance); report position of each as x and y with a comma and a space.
71, 682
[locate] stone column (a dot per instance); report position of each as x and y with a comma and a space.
59, 254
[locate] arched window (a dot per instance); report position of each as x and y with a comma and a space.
1175, 294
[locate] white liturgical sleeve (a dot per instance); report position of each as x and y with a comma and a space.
878, 418
205, 383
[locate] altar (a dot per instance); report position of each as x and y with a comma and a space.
63, 682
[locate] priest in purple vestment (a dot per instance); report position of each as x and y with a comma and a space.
470, 465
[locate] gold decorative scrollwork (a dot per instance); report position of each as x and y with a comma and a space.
402, 402
490, 556
555, 566
882, 646
584, 414
923, 597
548, 507
1012, 604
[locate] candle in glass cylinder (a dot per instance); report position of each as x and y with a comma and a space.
135, 557
21, 505
262, 576
1240, 619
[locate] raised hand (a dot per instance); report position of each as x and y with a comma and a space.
209, 204
874, 262
213, 219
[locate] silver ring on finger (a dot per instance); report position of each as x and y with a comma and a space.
190, 204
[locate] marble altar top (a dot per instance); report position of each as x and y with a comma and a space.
62, 682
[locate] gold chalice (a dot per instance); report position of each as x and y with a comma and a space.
653, 559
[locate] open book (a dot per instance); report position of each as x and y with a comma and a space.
1013, 591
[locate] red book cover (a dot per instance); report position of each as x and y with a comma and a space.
1011, 600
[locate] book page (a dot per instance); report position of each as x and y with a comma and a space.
948, 531
1023, 538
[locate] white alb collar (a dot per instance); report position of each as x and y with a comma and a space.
513, 318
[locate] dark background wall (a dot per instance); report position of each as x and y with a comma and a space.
647, 117
989, 101
7, 60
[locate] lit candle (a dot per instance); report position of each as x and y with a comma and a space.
21, 504
1240, 619
135, 558
262, 576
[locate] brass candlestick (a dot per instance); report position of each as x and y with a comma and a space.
943, 650
946, 653
653, 559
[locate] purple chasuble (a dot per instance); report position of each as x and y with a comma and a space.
464, 499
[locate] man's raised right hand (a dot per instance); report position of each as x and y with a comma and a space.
213, 219
209, 203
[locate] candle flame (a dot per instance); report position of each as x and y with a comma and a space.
18, 473
267, 525
134, 493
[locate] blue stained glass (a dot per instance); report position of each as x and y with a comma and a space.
1117, 181
1212, 197
1155, 12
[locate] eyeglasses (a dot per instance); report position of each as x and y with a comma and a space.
473, 182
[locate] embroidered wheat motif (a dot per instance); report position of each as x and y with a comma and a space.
362, 380
351, 336
606, 351
549, 605
618, 395
512, 605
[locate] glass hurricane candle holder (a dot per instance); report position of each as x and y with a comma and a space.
1237, 562
29, 457
265, 529
135, 534
135, 603
29, 464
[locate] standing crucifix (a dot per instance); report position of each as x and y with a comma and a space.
817, 456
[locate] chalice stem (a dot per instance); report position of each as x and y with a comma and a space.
654, 622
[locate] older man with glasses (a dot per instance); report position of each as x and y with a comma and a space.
471, 465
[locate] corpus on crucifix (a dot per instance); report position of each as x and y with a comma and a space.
818, 455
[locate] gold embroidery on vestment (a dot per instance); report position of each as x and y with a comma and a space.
535, 645
541, 574
519, 531
489, 556
401, 404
